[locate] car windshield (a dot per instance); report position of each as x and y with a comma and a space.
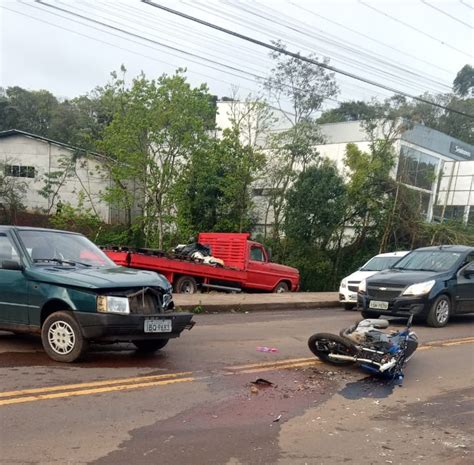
380, 263
63, 248
429, 260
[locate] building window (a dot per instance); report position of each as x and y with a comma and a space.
451, 212
17, 171
417, 169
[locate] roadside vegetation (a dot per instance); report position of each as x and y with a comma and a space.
172, 177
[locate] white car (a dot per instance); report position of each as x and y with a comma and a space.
350, 284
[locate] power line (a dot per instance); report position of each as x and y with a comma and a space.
300, 29
113, 19
299, 57
259, 28
446, 13
134, 52
161, 44
377, 41
466, 4
413, 28
254, 77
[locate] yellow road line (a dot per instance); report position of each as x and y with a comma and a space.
289, 365
267, 364
93, 384
84, 392
125, 384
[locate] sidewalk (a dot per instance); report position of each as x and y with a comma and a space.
219, 302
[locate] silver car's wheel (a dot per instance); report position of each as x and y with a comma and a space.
440, 312
61, 337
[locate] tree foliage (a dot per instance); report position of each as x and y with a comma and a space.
12, 192
305, 86
463, 84
150, 139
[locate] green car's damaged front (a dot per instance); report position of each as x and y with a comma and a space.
63, 286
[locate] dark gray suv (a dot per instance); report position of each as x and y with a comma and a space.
432, 282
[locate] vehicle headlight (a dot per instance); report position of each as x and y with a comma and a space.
167, 299
363, 286
343, 284
111, 304
419, 288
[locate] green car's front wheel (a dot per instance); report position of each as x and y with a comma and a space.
62, 337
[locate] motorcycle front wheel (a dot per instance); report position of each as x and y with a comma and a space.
323, 344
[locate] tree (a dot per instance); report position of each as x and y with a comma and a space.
12, 191
30, 111
346, 111
315, 206
463, 84
214, 193
161, 122
306, 87
315, 211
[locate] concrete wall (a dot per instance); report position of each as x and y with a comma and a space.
47, 157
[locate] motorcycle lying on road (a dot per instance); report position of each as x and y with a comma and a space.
380, 353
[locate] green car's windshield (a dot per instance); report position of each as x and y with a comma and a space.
428, 260
380, 263
62, 248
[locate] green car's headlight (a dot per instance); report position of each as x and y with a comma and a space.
111, 304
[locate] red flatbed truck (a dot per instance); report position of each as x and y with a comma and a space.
246, 266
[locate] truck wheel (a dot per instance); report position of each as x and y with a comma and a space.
439, 312
150, 345
185, 285
62, 337
281, 287
349, 306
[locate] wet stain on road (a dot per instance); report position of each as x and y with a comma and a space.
214, 433
368, 387
99, 357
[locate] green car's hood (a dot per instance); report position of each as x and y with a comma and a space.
96, 278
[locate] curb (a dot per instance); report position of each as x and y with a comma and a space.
259, 307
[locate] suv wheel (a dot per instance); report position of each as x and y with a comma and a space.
62, 337
439, 312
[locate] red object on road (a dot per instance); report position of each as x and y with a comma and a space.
247, 266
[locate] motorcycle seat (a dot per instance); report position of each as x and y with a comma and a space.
374, 323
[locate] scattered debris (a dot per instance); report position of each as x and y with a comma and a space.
254, 390
277, 418
267, 349
262, 382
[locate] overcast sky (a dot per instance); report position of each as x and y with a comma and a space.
43, 48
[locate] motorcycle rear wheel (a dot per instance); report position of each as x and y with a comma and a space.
323, 344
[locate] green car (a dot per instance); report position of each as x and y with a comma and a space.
62, 286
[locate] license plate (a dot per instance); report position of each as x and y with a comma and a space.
378, 305
158, 326
352, 296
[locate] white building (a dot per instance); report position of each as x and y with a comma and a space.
77, 176
439, 167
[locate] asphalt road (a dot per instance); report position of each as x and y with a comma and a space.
194, 403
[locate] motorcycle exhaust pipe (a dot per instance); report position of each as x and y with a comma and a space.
353, 359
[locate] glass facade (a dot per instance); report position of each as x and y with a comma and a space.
416, 168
